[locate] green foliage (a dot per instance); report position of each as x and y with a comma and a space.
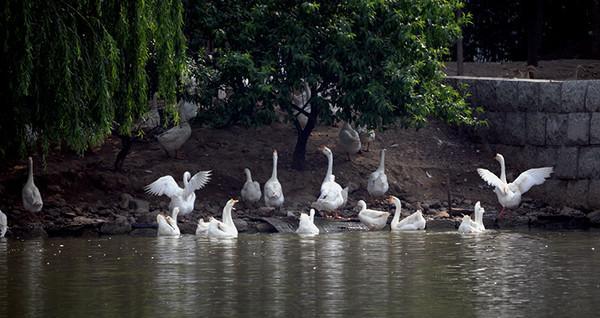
77, 70
375, 60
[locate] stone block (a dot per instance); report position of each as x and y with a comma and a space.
507, 95
593, 194
566, 163
556, 129
595, 129
578, 131
573, 96
577, 193
550, 100
589, 162
486, 95
592, 100
536, 128
515, 131
555, 191
495, 126
529, 95
546, 157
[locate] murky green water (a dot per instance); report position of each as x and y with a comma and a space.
498, 274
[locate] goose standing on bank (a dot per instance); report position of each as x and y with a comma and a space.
413, 222
349, 140
3, 224
373, 219
32, 199
509, 194
378, 185
367, 136
251, 190
331, 197
273, 192
167, 226
307, 224
183, 198
173, 139
225, 229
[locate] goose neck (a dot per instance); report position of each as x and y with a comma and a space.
30, 168
398, 211
274, 174
382, 161
502, 169
329, 166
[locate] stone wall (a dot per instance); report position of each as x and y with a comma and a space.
538, 123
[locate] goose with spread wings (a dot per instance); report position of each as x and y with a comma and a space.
509, 194
183, 198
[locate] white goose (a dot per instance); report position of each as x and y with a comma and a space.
273, 192
307, 224
478, 211
509, 194
413, 222
349, 140
332, 194
377, 184
225, 229
468, 226
32, 199
167, 226
202, 228
183, 198
251, 190
373, 219
3, 224
173, 139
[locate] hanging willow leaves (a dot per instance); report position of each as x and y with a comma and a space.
78, 70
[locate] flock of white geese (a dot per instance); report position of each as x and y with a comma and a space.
331, 199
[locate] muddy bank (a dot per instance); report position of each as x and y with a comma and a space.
84, 196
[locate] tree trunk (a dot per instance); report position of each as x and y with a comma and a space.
535, 24
459, 52
126, 142
299, 158
596, 29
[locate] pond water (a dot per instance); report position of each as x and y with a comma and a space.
497, 274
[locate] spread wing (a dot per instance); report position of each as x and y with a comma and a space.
198, 181
164, 186
490, 178
3, 221
532, 177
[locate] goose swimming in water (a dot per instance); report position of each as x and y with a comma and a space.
413, 222
167, 226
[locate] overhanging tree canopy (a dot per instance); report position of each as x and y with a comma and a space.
77, 70
376, 61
